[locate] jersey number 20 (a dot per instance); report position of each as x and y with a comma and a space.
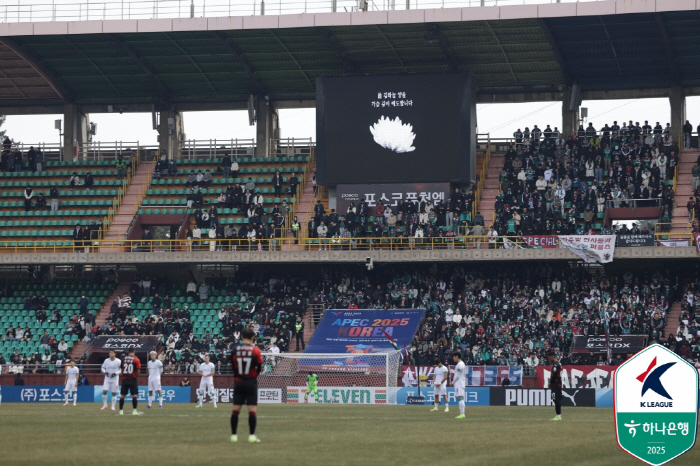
244, 365
128, 369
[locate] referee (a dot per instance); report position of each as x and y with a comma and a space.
555, 384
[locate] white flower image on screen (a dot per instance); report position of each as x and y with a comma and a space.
393, 135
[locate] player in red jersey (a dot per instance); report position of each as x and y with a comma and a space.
247, 363
131, 366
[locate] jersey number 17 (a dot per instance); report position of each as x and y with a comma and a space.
244, 365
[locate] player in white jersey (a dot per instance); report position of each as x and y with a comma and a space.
111, 368
440, 375
459, 381
155, 368
206, 384
71, 383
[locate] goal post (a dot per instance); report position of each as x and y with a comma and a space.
354, 378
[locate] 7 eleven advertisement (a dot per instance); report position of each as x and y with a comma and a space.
340, 395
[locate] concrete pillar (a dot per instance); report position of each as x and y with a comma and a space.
569, 117
677, 100
171, 129
267, 126
75, 130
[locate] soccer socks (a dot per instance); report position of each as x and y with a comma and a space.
66, 395
160, 399
200, 396
461, 406
121, 404
134, 402
557, 407
234, 422
104, 400
252, 422
114, 401
150, 400
213, 398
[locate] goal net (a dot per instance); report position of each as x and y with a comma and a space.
342, 378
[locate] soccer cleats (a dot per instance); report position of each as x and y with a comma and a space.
253, 439
461, 416
556, 418
234, 438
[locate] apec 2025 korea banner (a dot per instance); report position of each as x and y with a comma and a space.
356, 331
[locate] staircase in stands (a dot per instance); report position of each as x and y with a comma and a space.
672, 320
684, 189
488, 196
80, 347
132, 201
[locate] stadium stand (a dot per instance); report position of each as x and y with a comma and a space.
69, 202
38, 318
550, 183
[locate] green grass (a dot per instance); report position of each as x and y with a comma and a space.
311, 435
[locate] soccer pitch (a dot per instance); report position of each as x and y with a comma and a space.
311, 435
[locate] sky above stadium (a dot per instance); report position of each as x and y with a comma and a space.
500, 120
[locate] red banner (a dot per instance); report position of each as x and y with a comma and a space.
578, 376
541, 241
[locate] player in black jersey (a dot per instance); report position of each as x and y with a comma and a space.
555, 384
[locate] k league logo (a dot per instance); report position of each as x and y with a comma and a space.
656, 405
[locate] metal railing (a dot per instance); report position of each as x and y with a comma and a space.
103, 150
633, 203
86, 10
290, 147
194, 148
286, 242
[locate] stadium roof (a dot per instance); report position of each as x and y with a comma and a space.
623, 51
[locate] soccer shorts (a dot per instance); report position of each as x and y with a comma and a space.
206, 386
71, 387
111, 385
154, 385
441, 389
459, 392
245, 392
130, 385
556, 395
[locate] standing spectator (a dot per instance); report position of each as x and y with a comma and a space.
83, 305
39, 160
28, 195
17, 156
121, 167
293, 185
234, 167
53, 194
687, 132
277, 183
226, 166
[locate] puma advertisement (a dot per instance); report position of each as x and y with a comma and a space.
396, 128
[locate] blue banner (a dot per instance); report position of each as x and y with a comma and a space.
479, 396
42, 394
357, 331
173, 394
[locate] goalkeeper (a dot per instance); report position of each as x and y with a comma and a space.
312, 387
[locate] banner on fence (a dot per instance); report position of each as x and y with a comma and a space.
474, 396
42, 394
477, 376
340, 395
541, 241
630, 240
622, 344
578, 376
358, 331
675, 244
590, 248
390, 194
503, 396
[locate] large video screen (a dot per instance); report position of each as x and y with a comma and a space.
396, 128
